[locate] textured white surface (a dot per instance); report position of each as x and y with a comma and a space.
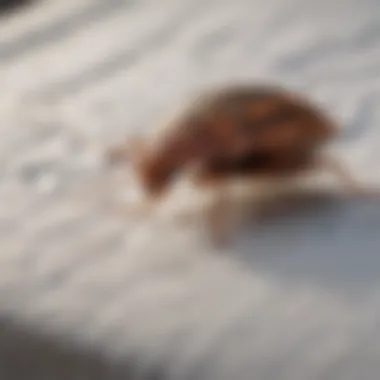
298, 298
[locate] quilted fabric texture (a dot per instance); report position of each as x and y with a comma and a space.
85, 293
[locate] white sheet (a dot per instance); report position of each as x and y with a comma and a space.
297, 298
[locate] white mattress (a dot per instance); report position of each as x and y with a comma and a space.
86, 294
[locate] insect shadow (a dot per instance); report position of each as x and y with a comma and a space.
315, 238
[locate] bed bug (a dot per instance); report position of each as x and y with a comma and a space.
248, 132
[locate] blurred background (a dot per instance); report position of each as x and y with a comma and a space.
85, 294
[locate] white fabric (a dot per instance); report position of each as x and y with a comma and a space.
296, 298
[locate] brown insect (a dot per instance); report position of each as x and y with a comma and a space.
246, 132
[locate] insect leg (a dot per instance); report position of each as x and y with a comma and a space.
127, 151
139, 210
350, 184
219, 215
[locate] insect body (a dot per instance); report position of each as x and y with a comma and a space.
242, 131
